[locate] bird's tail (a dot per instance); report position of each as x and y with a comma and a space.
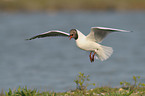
103, 52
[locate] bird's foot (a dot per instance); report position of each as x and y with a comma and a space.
92, 57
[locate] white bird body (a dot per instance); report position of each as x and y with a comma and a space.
87, 45
89, 42
84, 43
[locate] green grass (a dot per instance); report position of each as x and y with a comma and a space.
58, 5
101, 91
127, 89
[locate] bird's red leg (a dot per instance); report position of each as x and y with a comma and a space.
93, 57
90, 56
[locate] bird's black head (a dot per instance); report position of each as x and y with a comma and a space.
73, 34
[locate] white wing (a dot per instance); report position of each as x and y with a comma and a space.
50, 33
97, 34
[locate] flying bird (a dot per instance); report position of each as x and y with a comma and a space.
90, 43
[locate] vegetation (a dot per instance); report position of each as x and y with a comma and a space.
127, 89
57, 5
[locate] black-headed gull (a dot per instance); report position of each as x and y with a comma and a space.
89, 42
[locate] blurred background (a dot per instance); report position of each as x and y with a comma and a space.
54, 63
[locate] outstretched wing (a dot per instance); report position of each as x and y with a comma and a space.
97, 34
50, 33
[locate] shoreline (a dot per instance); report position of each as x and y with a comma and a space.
71, 5
98, 91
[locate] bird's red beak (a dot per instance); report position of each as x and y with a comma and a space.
70, 37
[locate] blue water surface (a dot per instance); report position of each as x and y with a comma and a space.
54, 63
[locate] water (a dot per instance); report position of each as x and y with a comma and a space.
54, 63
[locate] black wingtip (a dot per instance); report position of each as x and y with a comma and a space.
28, 39
32, 38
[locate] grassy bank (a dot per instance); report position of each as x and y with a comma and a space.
127, 89
101, 91
57, 5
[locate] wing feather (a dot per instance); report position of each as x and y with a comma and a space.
97, 34
50, 33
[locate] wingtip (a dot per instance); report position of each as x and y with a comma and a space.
28, 39
128, 31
